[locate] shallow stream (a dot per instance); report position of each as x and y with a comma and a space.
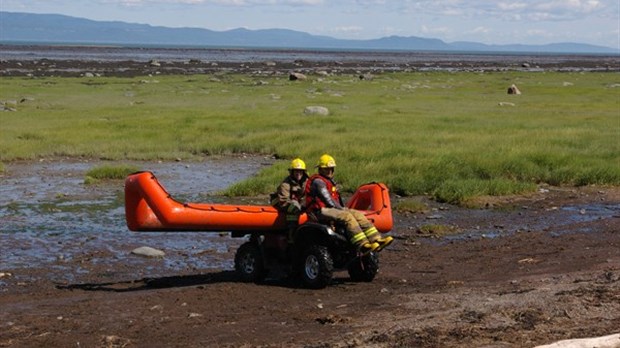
49, 217
51, 220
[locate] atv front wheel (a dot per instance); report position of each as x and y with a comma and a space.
364, 268
317, 267
249, 263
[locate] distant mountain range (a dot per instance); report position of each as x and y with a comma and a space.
60, 29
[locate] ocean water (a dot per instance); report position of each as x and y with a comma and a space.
238, 55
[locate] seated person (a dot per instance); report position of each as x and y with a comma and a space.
323, 199
289, 197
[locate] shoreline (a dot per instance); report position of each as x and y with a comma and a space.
75, 61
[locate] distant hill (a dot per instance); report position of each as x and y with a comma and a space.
59, 29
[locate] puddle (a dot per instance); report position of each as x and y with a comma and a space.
48, 217
556, 221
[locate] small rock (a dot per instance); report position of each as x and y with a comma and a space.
194, 315
296, 76
434, 217
316, 110
5, 274
148, 252
514, 90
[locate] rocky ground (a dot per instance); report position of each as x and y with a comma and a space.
126, 62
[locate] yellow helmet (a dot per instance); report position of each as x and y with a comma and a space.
297, 164
326, 161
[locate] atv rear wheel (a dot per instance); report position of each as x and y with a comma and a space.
317, 267
364, 268
249, 263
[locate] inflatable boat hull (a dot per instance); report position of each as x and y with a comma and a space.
149, 207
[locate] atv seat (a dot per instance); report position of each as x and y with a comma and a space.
313, 217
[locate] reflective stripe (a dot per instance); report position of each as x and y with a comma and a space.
371, 231
358, 237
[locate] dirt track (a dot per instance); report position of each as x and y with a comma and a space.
523, 289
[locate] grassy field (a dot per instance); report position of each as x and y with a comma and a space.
449, 135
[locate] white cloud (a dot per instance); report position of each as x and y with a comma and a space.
219, 2
480, 30
435, 30
352, 29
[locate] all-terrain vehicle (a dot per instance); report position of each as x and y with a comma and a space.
313, 252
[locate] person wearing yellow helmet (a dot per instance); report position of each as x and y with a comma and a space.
323, 200
289, 197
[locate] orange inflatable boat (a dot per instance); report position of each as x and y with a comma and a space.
149, 207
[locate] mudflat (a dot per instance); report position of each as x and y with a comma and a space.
515, 272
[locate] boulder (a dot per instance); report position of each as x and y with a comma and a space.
514, 90
316, 110
296, 76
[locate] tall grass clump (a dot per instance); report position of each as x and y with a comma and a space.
114, 172
447, 135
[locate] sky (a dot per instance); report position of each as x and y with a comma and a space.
595, 22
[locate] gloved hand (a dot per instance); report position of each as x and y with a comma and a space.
294, 207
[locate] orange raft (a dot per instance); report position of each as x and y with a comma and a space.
149, 207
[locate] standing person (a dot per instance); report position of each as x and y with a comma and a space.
323, 199
289, 197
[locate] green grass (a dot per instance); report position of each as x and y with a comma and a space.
439, 134
409, 205
433, 230
116, 172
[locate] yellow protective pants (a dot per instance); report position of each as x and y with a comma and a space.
359, 229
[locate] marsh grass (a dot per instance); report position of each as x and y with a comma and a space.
117, 172
435, 230
410, 205
448, 135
